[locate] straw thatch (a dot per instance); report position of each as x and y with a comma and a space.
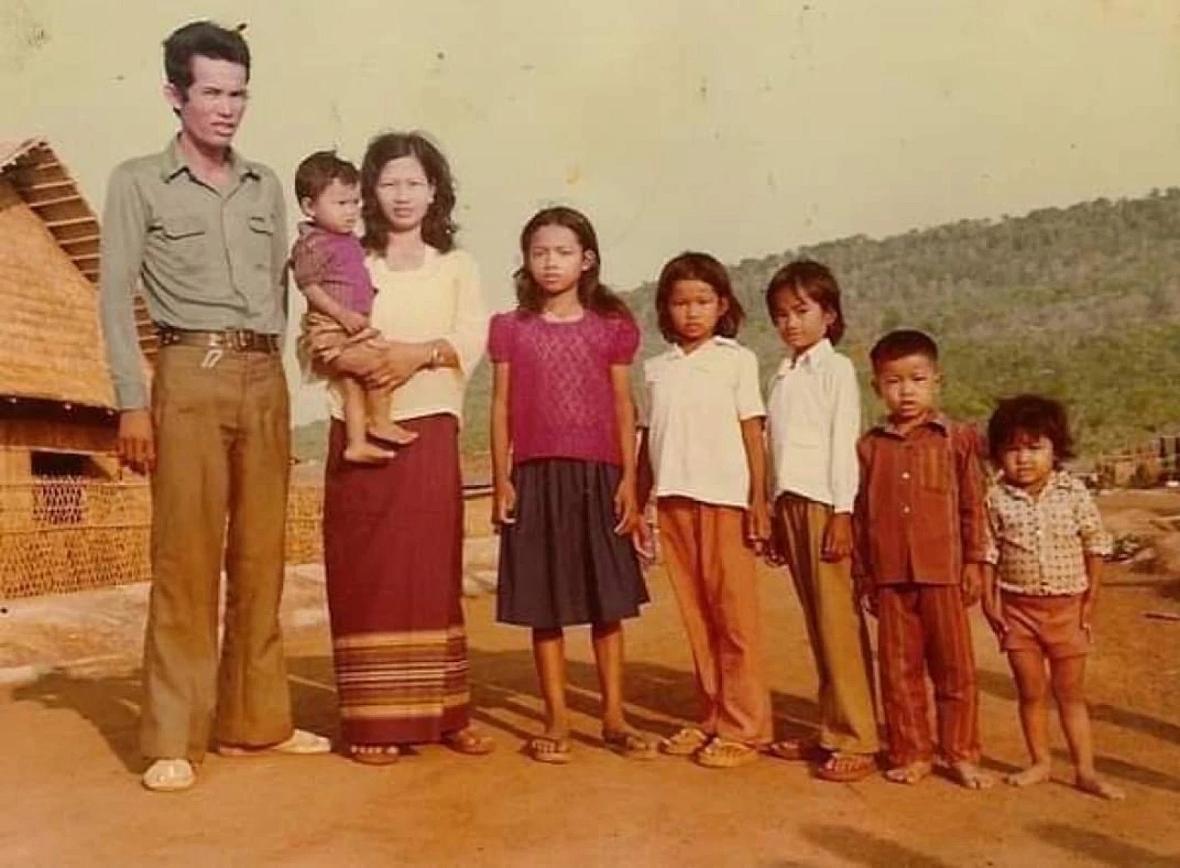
50, 341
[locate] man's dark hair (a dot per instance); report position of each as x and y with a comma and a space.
1029, 416
901, 343
206, 39
316, 173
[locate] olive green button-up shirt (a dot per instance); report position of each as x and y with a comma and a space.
209, 259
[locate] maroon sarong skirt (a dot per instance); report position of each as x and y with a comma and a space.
393, 551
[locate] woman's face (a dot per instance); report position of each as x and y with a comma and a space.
404, 193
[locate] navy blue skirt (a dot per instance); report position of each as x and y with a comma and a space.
561, 563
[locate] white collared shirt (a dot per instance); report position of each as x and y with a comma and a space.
697, 402
814, 421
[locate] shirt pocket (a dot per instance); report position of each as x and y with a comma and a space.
260, 241
184, 241
934, 467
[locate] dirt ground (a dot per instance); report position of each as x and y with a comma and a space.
69, 702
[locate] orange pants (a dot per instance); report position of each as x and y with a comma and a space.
713, 573
925, 627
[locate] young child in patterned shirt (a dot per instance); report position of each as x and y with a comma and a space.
1049, 549
328, 265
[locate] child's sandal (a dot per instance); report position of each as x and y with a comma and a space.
721, 753
627, 744
547, 749
846, 768
687, 741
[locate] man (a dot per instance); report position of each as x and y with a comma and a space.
205, 231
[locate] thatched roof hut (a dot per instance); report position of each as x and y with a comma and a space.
56, 395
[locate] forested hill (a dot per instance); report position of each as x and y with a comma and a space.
1082, 303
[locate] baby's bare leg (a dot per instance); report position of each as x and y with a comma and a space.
380, 426
358, 449
1069, 675
1029, 669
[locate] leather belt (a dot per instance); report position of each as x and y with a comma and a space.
239, 340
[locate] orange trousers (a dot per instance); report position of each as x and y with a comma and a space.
714, 575
925, 627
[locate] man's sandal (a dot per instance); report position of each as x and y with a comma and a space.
469, 741
169, 776
374, 754
722, 753
846, 768
628, 744
547, 749
685, 742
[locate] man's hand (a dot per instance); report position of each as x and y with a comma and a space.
136, 440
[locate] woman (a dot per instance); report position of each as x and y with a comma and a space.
393, 532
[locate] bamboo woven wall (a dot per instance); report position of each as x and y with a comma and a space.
71, 534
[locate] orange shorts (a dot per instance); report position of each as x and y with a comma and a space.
1052, 625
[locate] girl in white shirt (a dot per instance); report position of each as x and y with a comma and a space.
814, 422
702, 455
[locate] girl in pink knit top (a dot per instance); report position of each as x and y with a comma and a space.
563, 452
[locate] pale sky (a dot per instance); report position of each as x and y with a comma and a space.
741, 127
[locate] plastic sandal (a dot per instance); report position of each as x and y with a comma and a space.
629, 745
546, 749
724, 754
685, 742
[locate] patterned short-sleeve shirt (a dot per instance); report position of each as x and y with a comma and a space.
1041, 542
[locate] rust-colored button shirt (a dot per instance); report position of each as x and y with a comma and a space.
920, 511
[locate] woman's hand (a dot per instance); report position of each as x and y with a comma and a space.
626, 507
504, 503
757, 520
397, 363
837, 537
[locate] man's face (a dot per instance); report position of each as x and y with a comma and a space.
213, 106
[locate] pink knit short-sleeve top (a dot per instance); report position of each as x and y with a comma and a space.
561, 401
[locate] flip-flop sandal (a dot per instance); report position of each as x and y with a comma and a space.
628, 745
469, 741
685, 742
846, 768
546, 749
374, 754
794, 749
721, 753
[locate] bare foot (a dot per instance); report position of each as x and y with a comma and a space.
1097, 787
1034, 774
910, 773
367, 453
391, 432
971, 776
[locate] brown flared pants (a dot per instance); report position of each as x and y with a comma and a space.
219, 496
